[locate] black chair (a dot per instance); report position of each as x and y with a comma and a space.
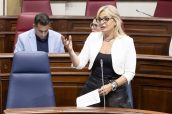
30, 82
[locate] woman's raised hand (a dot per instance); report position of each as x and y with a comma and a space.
67, 42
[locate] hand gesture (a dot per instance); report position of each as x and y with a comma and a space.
67, 42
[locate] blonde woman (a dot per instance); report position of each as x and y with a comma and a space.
116, 50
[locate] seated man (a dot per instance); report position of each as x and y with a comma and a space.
40, 38
95, 26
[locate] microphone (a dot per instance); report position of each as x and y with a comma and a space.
101, 64
143, 13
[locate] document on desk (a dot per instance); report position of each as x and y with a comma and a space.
88, 99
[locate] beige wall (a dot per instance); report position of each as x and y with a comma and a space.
62, 7
125, 8
1, 7
13, 7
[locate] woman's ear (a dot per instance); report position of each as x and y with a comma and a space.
115, 23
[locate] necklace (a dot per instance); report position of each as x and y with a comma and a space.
108, 40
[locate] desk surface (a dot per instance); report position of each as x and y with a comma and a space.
151, 83
74, 110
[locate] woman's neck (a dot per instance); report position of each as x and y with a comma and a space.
108, 37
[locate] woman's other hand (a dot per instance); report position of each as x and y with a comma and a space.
104, 90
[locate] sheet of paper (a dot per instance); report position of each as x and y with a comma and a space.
88, 99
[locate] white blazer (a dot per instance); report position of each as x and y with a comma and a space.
123, 54
27, 42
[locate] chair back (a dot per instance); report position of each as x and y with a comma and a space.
25, 22
30, 82
92, 6
163, 9
36, 6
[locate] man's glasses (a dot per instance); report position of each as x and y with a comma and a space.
104, 19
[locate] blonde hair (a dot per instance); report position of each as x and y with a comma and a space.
112, 11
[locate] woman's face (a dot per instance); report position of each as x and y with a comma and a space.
106, 22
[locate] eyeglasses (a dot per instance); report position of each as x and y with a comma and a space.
104, 19
93, 25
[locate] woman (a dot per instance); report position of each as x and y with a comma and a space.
116, 51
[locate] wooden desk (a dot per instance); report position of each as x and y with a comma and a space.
151, 35
152, 85
74, 110
82, 24
145, 43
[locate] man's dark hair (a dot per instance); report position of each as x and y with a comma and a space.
42, 18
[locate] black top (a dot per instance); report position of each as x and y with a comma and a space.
118, 98
108, 71
42, 44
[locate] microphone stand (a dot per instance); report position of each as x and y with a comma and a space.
101, 63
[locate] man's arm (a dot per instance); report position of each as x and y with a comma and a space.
18, 45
